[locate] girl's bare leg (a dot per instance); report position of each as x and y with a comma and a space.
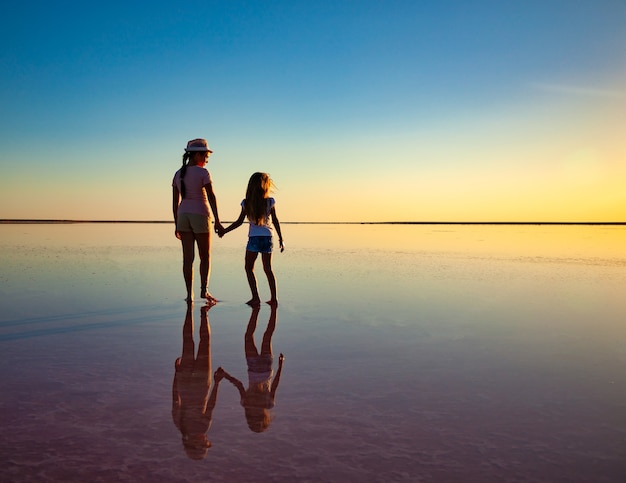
204, 251
266, 345
267, 268
250, 259
248, 338
187, 241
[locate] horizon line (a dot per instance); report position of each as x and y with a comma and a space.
18, 221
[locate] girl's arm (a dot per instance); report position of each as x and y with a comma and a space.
210, 194
175, 203
237, 223
277, 226
221, 374
277, 377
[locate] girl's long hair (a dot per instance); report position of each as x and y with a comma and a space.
255, 204
183, 170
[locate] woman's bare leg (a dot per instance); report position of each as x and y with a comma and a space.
250, 259
204, 251
187, 241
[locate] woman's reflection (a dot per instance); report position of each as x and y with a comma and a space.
258, 399
192, 407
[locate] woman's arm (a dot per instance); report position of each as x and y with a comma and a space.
208, 411
175, 203
276, 224
210, 194
176, 402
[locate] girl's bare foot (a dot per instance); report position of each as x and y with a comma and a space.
254, 302
272, 302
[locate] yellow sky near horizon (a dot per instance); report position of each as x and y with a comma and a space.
558, 154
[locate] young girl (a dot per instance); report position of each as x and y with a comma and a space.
259, 398
192, 196
259, 208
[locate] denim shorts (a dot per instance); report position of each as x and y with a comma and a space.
260, 244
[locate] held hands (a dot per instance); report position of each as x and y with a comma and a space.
219, 229
219, 374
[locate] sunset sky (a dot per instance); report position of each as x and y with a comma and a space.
449, 110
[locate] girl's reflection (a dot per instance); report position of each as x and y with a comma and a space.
258, 399
192, 407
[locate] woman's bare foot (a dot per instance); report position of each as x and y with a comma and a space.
205, 308
272, 302
209, 298
254, 302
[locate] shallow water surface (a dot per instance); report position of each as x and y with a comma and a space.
412, 353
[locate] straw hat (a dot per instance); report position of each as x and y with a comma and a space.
199, 144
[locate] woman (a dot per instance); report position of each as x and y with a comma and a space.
192, 192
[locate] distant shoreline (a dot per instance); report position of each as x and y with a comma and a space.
8, 221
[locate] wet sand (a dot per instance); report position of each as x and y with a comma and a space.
412, 353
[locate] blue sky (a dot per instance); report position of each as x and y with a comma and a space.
360, 110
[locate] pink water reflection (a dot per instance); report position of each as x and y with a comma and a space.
411, 353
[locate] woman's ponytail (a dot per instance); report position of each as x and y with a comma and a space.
183, 170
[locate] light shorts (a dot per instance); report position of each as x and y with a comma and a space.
193, 222
260, 244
